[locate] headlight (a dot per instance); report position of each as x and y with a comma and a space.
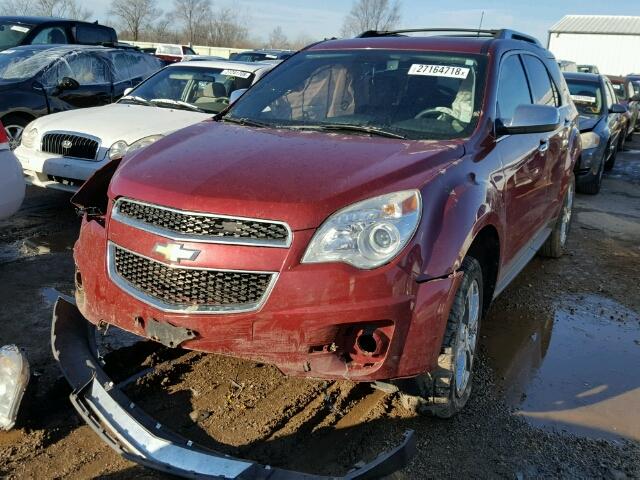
118, 149
369, 233
590, 140
14, 377
143, 142
29, 137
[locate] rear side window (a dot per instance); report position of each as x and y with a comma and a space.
130, 65
94, 34
541, 86
513, 89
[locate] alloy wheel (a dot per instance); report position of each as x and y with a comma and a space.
467, 339
14, 132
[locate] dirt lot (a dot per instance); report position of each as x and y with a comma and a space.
557, 393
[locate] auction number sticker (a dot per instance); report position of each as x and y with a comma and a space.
439, 71
235, 73
583, 99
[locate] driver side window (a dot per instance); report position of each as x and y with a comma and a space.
513, 88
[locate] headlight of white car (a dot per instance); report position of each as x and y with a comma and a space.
590, 140
367, 234
29, 137
120, 148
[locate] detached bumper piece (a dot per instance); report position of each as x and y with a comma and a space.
141, 439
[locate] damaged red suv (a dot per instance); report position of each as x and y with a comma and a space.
352, 215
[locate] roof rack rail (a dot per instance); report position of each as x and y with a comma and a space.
502, 34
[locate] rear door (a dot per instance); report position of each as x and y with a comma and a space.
524, 161
92, 74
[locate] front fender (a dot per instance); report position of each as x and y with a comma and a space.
464, 198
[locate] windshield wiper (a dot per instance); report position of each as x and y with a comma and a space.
246, 121
348, 127
176, 103
140, 100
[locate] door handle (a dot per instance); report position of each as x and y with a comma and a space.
544, 146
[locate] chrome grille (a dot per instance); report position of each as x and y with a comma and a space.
74, 145
185, 289
200, 227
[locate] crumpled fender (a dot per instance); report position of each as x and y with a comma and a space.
141, 439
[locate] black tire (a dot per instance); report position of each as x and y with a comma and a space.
444, 396
554, 246
608, 166
593, 185
11, 123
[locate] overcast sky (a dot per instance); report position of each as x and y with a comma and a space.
323, 18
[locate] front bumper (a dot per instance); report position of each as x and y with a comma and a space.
308, 323
56, 172
139, 438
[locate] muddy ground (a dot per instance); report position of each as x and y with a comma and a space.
557, 392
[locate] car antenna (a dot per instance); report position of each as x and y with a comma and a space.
481, 19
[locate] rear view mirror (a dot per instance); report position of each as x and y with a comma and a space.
68, 83
617, 108
531, 119
236, 94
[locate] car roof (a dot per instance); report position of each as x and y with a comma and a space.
34, 20
585, 77
616, 79
65, 48
273, 51
435, 43
230, 64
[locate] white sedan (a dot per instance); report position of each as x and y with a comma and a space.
12, 185
63, 150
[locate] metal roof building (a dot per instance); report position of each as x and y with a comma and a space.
611, 42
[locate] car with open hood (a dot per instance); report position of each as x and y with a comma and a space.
62, 150
352, 215
37, 80
602, 121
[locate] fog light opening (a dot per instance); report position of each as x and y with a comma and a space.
367, 343
78, 279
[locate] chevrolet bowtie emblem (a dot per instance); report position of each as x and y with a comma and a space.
175, 252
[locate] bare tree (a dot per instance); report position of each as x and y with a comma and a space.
134, 15
48, 8
193, 14
226, 29
277, 39
301, 41
371, 15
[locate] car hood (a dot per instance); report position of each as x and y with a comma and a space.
292, 176
587, 122
119, 121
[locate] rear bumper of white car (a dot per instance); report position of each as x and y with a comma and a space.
53, 171
12, 184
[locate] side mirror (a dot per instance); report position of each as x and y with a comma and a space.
617, 108
68, 83
236, 94
531, 119
127, 91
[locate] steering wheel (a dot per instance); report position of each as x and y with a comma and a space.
433, 113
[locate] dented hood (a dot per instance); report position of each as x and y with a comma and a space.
292, 176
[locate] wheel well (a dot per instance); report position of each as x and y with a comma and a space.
486, 249
28, 118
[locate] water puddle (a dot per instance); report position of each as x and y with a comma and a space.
38, 245
574, 369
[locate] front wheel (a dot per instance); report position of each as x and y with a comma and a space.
448, 388
14, 126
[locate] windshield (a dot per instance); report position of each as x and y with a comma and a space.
12, 34
416, 95
587, 96
21, 64
253, 57
203, 89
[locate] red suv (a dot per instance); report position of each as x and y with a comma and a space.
351, 216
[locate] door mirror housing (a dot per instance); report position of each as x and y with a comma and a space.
68, 83
236, 94
617, 108
127, 91
531, 119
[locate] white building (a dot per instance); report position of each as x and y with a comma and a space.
610, 42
